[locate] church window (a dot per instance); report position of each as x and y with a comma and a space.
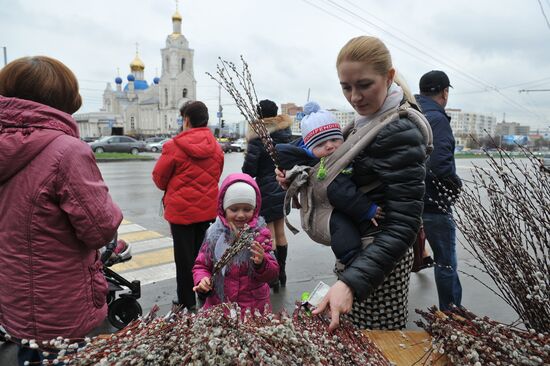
132, 123
165, 122
184, 93
165, 96
182, 64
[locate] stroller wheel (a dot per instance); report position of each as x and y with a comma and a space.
123, 310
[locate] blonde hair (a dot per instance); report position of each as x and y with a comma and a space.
373, 51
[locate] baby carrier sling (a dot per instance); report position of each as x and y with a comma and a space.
309, 193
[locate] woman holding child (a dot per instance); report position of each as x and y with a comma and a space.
373, 288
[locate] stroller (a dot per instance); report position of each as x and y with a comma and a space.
125, 308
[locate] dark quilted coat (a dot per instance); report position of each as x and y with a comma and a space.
397, 159
258, 165
189, 170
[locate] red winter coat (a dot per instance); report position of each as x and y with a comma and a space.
243, 283
55, 212
189, 170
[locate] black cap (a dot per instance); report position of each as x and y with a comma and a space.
267, 108
434, 81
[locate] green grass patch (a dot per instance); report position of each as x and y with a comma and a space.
121, 156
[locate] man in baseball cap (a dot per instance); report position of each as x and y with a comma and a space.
442, 188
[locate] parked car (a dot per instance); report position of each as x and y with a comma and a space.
154, 139
225, 145
88, 139
124, 144
545, 163
238, 145
156, 146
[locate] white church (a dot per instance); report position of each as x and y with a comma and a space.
141, 109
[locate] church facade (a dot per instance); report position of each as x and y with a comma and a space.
140, 109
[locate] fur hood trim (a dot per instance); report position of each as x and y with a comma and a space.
272, 124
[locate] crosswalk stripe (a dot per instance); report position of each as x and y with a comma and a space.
139, 236
147, 259
152, 274
151, 245
130, 228
152, 254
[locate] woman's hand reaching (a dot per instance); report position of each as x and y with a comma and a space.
338, 300
280, 175
204, 286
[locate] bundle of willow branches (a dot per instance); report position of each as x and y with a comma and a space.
243, 93
504, 214
243, 240
221, 336
470, 340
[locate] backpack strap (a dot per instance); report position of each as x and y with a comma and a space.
298, 176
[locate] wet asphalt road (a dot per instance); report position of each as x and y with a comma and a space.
308, 263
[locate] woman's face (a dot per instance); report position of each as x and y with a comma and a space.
364, 88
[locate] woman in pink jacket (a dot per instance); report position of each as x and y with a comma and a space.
55, 209
245, 279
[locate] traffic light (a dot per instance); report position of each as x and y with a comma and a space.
223, 123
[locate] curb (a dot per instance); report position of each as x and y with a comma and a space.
122, 160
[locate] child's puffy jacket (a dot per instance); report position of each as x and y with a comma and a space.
244, 283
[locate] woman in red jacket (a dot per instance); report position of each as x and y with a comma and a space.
55, 209
188, 171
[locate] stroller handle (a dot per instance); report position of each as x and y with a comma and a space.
109, 248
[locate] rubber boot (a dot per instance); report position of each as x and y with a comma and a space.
280, 253
275, 285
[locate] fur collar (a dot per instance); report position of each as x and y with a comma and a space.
272, 124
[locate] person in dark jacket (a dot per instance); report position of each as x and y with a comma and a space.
374, 288
188, 171
442, 186
321, 136
55, 210
259, 165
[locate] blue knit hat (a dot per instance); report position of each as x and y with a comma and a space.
318, 125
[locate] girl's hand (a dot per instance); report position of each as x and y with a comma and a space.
280, 176
257, 253
204, 286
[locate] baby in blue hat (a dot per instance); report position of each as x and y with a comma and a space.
353, 209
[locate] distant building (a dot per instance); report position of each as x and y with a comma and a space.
344, 118
291, 109
511, 128
466, 124
143, 109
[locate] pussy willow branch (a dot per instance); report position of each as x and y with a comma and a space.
244, 94
504, 215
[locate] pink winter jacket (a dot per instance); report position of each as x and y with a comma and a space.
245, 284
55, 212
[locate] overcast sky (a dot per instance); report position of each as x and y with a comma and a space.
490, 49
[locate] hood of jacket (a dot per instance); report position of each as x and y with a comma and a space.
239, 177
26, 128
199, 142
271, 124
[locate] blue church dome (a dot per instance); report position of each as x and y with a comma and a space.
156, 80
131, 77
138, 84
118, 80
